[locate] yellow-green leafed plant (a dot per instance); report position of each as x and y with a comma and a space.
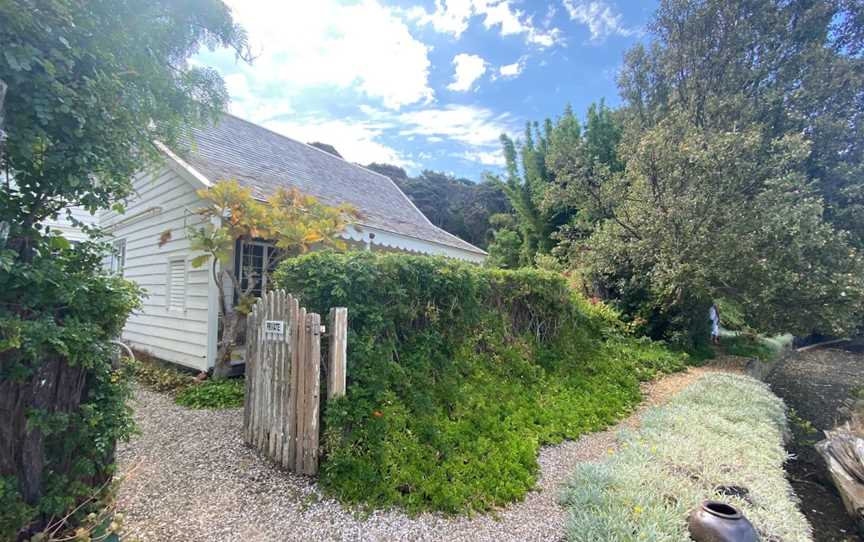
293, 221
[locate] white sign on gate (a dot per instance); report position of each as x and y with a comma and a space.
274, 330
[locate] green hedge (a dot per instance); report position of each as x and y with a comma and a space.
457, 374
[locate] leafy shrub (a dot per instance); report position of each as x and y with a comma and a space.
748, 346
158, 376
732, 315
457, 374
221, 393
733, 429
14, 512
60, 332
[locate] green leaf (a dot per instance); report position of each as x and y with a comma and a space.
200, 260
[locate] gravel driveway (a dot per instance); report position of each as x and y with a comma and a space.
189, 477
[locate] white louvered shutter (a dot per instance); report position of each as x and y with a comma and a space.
176, 298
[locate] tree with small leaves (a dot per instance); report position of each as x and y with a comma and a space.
90, 85
292, 221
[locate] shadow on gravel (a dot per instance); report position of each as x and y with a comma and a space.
815, 383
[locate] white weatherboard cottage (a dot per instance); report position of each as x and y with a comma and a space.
179, 320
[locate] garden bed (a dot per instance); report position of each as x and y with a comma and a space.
192, 478
721, 438
816, 382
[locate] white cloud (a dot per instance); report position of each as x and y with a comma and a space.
512, 70
364, 47
453, 17
475, 127
601, 19
246, 104
544, 39
449, 17
468, 132
500, 13
356, 141
468, 69
487, 158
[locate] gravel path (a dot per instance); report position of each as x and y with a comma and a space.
189, 477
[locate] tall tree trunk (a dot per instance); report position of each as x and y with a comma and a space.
54, 387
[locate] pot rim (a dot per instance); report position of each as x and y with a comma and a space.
711, 507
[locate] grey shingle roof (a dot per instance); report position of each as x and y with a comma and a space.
264, 160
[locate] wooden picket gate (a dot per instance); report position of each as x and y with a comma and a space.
281, 414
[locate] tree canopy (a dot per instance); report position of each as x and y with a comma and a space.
459, 206
91, 86
733, 170
86, 103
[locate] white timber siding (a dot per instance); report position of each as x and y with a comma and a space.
174, 323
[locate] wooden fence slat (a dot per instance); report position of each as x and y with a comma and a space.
274, 383
263, 380
300, 404
313, 394
290, 423
338, 352
250, 377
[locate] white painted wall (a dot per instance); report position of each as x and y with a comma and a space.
164, 202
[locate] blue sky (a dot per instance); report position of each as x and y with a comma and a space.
424, 84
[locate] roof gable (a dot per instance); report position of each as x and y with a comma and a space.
264, 161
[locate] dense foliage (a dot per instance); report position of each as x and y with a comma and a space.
543, 217
91, 85
460, 206
221, 393
157, 375
734, 171
66, 318
183, 386
733, 427
457, 374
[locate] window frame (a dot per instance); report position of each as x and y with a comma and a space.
117, 260
268, 248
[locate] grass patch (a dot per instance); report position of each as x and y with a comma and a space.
181, 384
732, 427
224, 393
457, 374
748, 346
158, 375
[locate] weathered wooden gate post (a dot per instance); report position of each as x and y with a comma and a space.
338, 350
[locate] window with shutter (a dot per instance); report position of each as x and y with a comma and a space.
175, 297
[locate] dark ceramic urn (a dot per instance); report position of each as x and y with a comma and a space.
715, 521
